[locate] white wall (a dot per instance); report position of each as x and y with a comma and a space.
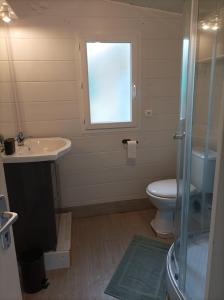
48, 73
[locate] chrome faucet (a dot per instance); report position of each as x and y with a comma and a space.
20, 138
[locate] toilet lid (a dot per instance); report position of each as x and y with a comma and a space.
165, 188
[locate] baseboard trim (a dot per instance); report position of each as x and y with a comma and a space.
108, 208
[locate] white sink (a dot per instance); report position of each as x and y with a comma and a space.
39, 149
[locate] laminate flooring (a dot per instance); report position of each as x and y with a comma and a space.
98, 244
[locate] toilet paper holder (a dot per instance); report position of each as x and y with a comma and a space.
125, 141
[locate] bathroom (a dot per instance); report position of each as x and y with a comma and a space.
106, 173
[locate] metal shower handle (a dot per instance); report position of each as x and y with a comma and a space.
179, 136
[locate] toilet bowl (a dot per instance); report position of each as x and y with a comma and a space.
163, 194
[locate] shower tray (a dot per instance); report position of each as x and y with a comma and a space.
195, 271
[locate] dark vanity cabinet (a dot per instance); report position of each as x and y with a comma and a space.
31, 191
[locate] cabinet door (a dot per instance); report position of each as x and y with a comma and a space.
30, 192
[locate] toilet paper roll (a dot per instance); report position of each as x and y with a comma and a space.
132, 149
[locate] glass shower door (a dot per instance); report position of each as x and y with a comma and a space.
207, 102
201, 93
183, 137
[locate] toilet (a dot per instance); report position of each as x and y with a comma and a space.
163, 193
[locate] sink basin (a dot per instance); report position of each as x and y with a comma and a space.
39, 149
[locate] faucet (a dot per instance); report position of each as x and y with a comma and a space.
20, 138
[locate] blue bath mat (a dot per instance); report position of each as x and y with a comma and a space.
141, 274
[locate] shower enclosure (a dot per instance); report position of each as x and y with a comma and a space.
200, 102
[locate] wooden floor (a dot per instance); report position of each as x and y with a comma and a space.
98, 244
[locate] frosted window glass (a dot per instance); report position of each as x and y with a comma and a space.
109, 80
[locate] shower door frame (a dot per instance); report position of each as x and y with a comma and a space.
215, 272
185, 127
214, 288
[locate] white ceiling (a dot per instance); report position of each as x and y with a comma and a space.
167, 5
206, 7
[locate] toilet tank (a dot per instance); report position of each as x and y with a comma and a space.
197, 170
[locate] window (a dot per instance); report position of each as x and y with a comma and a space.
110, 84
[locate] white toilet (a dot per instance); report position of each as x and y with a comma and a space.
163, 193
163, 196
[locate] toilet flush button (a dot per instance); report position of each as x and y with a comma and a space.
148, 113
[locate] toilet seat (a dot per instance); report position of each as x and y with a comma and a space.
163, 188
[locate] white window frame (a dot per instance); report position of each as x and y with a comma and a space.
110, 38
